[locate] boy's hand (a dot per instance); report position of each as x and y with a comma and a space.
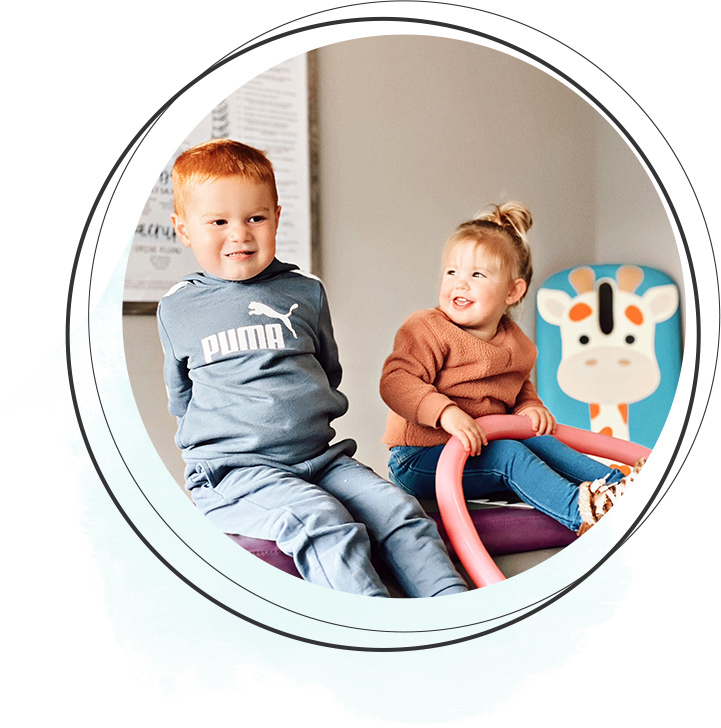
542, 421
456, 422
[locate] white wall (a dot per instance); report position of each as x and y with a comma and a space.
416, 134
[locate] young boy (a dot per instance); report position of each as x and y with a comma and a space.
252, 373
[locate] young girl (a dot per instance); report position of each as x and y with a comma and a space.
465, 359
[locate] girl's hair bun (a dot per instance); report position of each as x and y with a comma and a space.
513, 215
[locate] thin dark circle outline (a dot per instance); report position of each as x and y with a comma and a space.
561, 592
484, 36
116, 446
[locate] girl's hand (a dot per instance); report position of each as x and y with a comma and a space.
457, 423
542, 421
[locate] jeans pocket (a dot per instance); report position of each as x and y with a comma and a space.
402, 454
399, 467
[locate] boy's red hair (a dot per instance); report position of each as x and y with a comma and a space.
219, 158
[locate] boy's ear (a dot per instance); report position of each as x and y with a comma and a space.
277, 217
518, 289
180, 230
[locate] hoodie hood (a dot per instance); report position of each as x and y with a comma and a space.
275, 269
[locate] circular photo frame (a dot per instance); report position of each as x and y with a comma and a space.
118, 437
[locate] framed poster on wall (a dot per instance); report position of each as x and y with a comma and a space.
271, 112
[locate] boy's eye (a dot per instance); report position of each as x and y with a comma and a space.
257, 218
478, 274
450, 272
219, 222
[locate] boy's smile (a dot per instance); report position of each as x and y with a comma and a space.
474, 292
230, 224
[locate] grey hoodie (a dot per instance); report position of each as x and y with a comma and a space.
251, 367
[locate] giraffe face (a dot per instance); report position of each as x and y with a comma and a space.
608, 340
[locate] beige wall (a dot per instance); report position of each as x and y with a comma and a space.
631, 225
416, 134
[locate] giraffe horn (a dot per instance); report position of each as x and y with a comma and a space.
582, 279
629, 278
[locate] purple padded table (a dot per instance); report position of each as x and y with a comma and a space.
502, 530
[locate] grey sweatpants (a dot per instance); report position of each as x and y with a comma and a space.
324, 514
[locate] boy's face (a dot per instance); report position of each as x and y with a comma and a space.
230, 225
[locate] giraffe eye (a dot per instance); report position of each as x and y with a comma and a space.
630, 339
584, 339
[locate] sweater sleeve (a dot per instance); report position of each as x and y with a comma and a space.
178, 384
527, 397
408, 377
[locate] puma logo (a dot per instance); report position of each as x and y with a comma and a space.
260, 309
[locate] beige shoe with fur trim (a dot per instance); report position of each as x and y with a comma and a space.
596, 499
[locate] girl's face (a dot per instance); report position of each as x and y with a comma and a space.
475, 291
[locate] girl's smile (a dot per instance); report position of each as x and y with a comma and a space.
461, 302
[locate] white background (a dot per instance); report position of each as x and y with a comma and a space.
97, 631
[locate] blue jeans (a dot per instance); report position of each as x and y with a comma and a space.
324, 514
541, 470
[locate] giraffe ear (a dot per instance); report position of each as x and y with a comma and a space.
552, 304
629, 278
582, 279
662, 301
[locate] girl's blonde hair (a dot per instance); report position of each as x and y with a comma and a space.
502, 231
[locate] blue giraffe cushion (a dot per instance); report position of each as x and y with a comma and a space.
609, 349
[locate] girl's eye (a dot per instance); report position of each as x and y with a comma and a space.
220, 222
450, 272
478, 274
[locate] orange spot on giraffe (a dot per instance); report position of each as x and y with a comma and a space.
634, 315
623, 409
607, 431
579, 312
594, 409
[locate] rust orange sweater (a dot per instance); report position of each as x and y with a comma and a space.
436, 363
